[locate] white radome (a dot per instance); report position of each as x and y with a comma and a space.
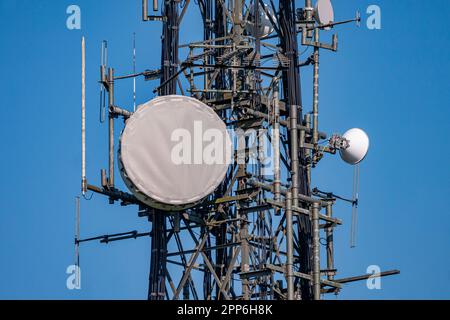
149, 152
358, 146
324, 13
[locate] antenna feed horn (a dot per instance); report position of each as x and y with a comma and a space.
338, 142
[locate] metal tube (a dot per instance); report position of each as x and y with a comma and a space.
309, 10
111, 126
145, 10
330, 244
308, 152
121, 112
309, 15
294, 153
316, 251
367, 276
243, 237
276, 143
289, 248
316, 89
83, 117
301, 143
116, 195
103, 178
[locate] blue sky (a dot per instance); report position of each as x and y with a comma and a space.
392, 82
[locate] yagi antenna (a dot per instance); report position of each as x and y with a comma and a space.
104, 63
355, 198
358, 18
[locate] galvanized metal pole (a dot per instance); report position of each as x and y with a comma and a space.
245, 256
145, 10
308, 151
309, 10
289, 248
316, 251
316, 89
276, 143
330, 244
294, 153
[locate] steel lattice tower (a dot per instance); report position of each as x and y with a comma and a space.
257, 236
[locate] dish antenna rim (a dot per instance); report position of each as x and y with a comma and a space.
355, 154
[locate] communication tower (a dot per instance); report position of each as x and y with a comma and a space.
251, 227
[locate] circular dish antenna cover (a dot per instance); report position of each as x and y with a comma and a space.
324, 13
265, 26
174, 151
358, 146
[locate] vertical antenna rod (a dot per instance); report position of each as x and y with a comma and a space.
83, 117
276, 142
145, 10
316, 89
316, 250
289, 248
111, 127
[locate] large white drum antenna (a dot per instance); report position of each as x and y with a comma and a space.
174, 152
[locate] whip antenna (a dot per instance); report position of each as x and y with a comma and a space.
83, 117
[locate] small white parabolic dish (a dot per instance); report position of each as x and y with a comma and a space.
358, 146
174, 152
324, 13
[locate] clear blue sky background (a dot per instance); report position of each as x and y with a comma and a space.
392, 82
